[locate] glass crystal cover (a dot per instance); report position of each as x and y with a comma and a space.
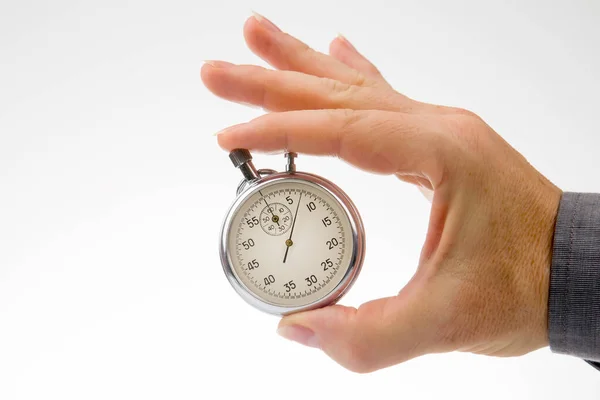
290, 243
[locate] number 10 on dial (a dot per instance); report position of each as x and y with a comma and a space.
291, 241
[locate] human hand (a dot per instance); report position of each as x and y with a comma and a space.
481, 285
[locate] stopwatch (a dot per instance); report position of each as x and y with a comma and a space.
291, 241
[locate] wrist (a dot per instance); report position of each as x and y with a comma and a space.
543, 240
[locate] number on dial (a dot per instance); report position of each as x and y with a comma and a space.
317, 249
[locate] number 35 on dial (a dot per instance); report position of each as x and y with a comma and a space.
291, 241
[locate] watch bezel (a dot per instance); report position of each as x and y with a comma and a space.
358, 243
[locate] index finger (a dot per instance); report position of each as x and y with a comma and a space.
376, 141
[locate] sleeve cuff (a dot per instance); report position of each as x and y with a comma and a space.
574, 296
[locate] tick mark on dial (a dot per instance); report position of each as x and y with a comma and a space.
275, 211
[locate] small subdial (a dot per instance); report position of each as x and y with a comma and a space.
275, 219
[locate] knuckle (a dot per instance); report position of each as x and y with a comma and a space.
462, 112
350, 118
360, 350
338, 91
358, 359
465, 125
359, 79
344, 120
304, 48
304, 51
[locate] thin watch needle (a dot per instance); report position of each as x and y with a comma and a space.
289, 242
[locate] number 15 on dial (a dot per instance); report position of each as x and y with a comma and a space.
291, 241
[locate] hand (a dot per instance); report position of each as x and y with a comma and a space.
482, 281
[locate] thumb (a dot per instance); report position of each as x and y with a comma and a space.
378, 334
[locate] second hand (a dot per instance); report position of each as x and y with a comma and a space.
289, 242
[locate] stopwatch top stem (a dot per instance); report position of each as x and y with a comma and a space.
291, 165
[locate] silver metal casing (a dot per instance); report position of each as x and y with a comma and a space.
358, 247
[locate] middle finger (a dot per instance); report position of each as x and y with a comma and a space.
290, 90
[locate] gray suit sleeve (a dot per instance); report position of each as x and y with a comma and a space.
574, 293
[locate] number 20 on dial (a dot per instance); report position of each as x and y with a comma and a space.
291, 241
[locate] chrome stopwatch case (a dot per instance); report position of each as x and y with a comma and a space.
291, 241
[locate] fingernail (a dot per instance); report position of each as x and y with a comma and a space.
299, 334
218, 64
228, 129
344, 40
265, 22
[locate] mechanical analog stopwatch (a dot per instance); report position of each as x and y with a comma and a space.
291, 241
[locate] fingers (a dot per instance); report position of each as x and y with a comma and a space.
378, 334
377, 141
291, 90
341, 49
344, 73
285, 52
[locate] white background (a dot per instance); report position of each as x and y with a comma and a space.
112, 190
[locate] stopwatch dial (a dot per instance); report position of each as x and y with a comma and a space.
306, 256
275, 219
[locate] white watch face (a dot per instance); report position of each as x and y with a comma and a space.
290, 243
